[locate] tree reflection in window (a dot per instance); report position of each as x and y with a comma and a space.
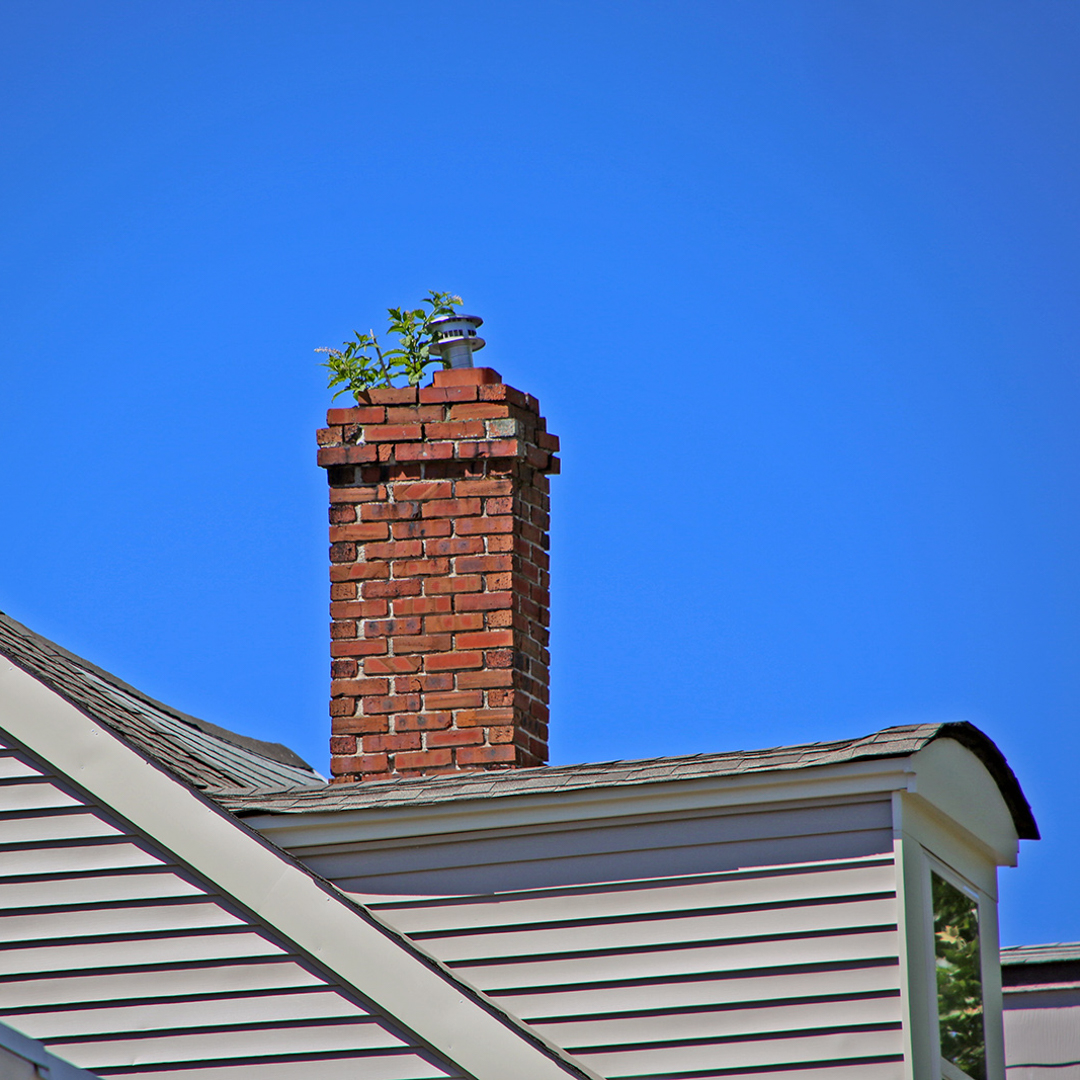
959, 979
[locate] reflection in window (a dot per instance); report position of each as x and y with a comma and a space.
959, 979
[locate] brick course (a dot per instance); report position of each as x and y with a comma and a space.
438, 527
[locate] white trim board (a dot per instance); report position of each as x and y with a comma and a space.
341, 936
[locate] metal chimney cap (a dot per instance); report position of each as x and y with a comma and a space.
454, 338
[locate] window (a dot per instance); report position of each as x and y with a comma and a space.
959, 981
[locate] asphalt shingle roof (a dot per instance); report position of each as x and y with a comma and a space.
890, 743
247, 776
1056, 953
208, 757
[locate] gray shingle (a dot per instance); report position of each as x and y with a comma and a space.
208, 757
431, 790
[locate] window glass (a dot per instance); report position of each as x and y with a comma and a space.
959, 978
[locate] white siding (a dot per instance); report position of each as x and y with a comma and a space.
1042, 1033
126, 964
650, 949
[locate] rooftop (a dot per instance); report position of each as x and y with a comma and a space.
892, 742
247, 776
208, 757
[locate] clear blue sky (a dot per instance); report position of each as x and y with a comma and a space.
796, 282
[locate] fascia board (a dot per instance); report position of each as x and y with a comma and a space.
344, 938
564, 808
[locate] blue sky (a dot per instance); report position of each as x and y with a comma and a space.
795, 282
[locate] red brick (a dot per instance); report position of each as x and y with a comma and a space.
467, 679
391, 665
391, 395
473, 376
404, 568
372, 589
455, 737
484, 755
395, 511
489, 639
453, 661
358, 571
341, 552
437, 489
458, 584
344, 765
451, 507
342, 628
432, 527
497, 658
353, 494
346, 455
483, 717
435, 395
483, 488
484, 564
394, 549
461, 429
377, 433
358, 687
479, 411
357, 648
368, 530
359, 725
470, 526
391, 703
342, 744
409, 740
497, 448
423, 759
416, 684
429, 721
422, 643
501, 392
483, 601
503, 504
385, 627
424, 451
457, 545
448, 624
501, 734
364, 414
423, 605
342, 513
411, 414
460, 699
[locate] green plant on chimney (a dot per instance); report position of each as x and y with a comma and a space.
362, 363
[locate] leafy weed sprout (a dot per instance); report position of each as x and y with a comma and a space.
363, 363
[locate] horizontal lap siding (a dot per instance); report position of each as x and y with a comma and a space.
534, 859
729, 972
126, 964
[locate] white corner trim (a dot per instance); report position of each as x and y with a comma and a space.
420, 994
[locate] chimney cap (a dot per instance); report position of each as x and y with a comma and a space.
454, 338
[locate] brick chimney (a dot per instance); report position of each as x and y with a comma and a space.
439, 578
